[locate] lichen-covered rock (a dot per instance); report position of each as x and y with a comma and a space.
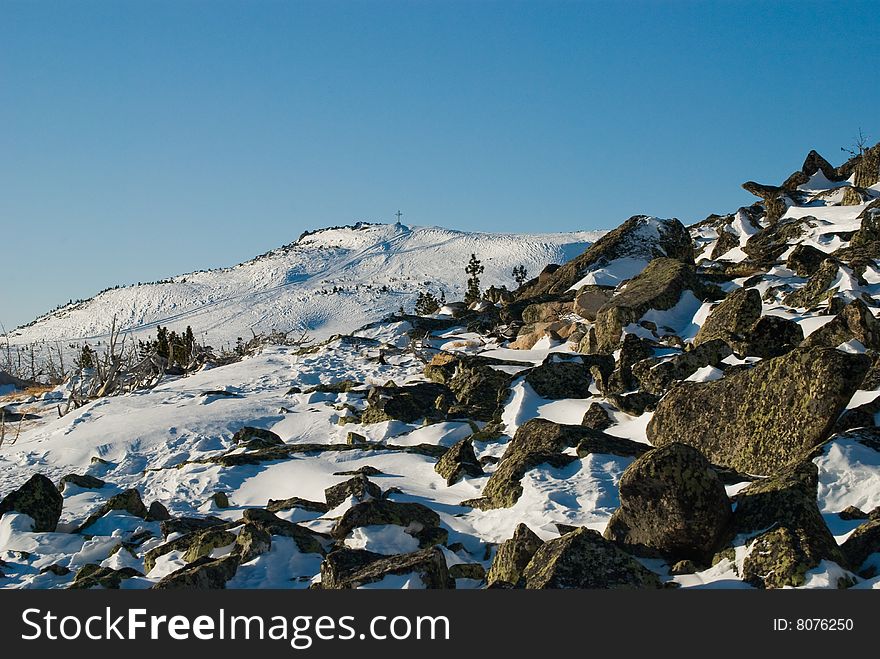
343, 562
458, 462
790, 535
672, 504
423, 400
188, 524
252, 541
360, 487
766, 246
277, 505
854, 322
771, 336
633, 349
256, 438
428, 565
473, 571
92, 575
308, 541
640, 237
861, 544
80, 480
204, 542
157, 512
659, 286
193, 545
513, 556
129, 501
610, 445
635, 403
204, 574
545, 312
536, 442
561, 379
763, 419
590, 299
731, 320
480, 390
804, 260
817, 287
597, 418
657, 375
39, 499
584, 559
419, 521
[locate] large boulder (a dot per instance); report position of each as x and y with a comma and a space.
817, 288
203, 574
128, 501
360, 487
640, 237
427, 565
672, 504
855, 321
256, 438
39, 499
419, 521
589, 299
480, 390
789, 534
584, 559
765, 418
659, 286
513, 556
423, 400
771, 336
731, 320
93, 575
804, 260
458, 462
536, 442
561, 379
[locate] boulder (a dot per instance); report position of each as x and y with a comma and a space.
204, 574
256, 438
458, 462
732, 318
92, 575
766, 418
610, 445
513, 556
633, 349
659, 286
252, 541
771, 336
584, 559
590, 299
545, 312
861, 544
817, 287
635, 403
420, 521
360, 487
308, 541
193, 545
277, 505
537, 441
480, 390
640, 237
188, 524
39, 499
429, 565
423, 400
157, 512
81, 480
804, 260
561, 379
672, 505
128, 501
473, 571
341, 563
790, 535
597, 418
854, 322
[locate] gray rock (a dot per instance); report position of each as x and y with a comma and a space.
513, 556
39, 499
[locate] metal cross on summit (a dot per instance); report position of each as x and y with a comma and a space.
399, 215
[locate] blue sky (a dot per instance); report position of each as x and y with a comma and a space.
144, 139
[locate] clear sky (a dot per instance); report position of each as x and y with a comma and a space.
144, 139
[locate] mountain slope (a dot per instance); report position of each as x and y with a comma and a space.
375, 269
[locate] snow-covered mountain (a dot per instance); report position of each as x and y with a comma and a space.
329, 281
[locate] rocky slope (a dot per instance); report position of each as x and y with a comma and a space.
673, 407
